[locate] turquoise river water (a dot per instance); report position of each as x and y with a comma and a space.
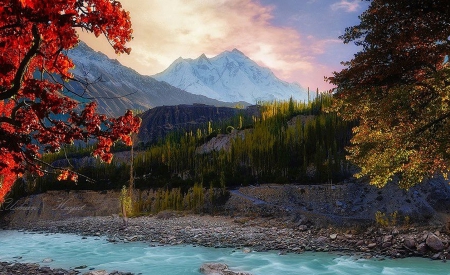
69, 251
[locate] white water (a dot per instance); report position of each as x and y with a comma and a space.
69, 251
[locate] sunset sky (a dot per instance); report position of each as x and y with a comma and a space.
296, 39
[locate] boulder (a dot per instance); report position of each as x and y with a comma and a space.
410, 242
434, 243
219, 269
97, 272
422, 248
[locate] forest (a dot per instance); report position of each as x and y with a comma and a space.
289, 142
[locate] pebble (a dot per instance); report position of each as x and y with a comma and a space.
253, 234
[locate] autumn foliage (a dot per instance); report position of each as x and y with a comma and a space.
36, 116
398, 89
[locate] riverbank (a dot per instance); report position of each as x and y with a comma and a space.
282, 218
257, 234
7, 268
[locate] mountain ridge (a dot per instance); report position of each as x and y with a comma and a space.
117, 88
229, 76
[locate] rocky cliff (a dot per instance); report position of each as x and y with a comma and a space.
159, 121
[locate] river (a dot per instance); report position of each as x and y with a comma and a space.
70, 251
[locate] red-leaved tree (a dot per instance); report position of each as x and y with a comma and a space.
35, 116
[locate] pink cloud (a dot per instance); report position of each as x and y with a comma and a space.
167, 29
346, 5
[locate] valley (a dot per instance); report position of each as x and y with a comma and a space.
209, 153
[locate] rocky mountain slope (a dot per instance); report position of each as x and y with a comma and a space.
117, 88
159, 121
230, 76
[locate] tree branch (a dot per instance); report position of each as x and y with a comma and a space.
431, 123
23, 66
10, 121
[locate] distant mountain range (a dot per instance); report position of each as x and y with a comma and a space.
117, 88
230, 76
225, 80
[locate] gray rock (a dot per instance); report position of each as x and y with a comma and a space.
436, 256
303, 227
387, 239
395, 232
321, 239
410, 242
97, 272
422, 248
434, 243
360, 242
219, 269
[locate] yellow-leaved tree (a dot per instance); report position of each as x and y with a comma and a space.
398, 89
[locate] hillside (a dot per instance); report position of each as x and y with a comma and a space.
160, 121
282, 142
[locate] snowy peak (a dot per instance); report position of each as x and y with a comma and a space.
230, 76
117, 88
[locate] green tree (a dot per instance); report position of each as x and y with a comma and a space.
398, 88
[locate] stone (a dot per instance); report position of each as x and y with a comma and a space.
422, 248
321, 239
360, 242
97, 272
371, 245
219, 269
410, 243
303, 227
333, 236
436, 256
434, 243
387, 239
47, 260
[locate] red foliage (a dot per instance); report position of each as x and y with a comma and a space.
34, 36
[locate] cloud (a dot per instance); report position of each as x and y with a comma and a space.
167, 29
346, 5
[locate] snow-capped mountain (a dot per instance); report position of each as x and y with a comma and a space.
117, 88
230, 76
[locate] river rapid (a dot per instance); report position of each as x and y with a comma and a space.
87, 253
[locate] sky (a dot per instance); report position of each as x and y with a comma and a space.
296, 39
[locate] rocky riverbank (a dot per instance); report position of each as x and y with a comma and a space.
7, 268
283, 218
258, 234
